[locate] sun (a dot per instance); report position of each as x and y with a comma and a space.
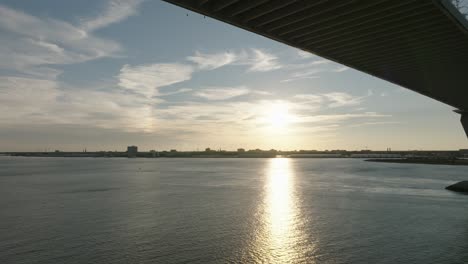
277, 115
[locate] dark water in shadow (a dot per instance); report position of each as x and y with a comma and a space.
91, 210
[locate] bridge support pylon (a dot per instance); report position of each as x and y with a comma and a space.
464, 119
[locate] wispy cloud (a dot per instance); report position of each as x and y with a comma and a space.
307, 70
309, 67
46, 102
222, 93
179, 91
114, 12
146, 79
252, 117
332, 100
263, 61
213, 61
261, 92
31, 45
305, 74
375, 123
339, 99
304, 54
49, 102
337, 118
257, 60
341, 69
310, 98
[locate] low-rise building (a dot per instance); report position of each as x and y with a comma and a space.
132, 151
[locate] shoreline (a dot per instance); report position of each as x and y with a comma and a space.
453, 162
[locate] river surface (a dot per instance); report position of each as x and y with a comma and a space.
99, 210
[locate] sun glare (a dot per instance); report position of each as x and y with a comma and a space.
277, 116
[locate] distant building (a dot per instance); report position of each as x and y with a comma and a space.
375, 155
173, 150
132, 151
240, 150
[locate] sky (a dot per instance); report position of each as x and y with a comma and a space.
106, 74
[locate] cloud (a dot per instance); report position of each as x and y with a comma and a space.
341, 69
222, 118
310, 98
146, 79
375, 123
22, 97
337, 118
229, 113
32, 45
213, 61
183, 90
306, 74
262, 61
256, 60
309, 70
29, 102
222, 93
261, 92
297, 79
339, 99
332, 100
49, 102
304, 54
313, 64
115, 11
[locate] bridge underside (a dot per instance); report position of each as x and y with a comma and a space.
417, 44
464, 121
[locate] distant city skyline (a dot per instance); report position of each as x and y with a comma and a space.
103, 75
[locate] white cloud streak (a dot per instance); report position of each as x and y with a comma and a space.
48, 102
146, 79
337, 118
179, 91
332, 100
256, 60
222, 93
213, 61
115, 11
304, 54
32, 45
341, 69
263, 61
45, 102
339, 99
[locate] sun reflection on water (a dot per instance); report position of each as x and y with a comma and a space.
280, 202
284, 237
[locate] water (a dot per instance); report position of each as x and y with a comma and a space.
96, 210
